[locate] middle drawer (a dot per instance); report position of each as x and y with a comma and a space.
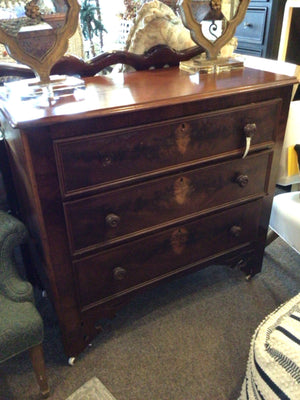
107, 218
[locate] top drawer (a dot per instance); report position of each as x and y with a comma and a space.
252, 29
105, 159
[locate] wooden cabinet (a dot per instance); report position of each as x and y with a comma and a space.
144, 179
259, 33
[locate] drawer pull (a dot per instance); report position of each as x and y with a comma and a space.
119, 273
235, 231
242, 180
248, 25
112, 220
249, 130
106, 159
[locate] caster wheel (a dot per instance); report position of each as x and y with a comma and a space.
71, 361
44, 294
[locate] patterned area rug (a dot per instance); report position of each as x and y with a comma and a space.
92, 390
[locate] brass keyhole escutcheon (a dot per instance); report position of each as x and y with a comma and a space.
182, 190
182, 135
179, 239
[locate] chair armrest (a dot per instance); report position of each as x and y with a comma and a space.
12, 285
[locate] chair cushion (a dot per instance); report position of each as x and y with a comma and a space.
273, 370
12, 234
21, 327
285, 218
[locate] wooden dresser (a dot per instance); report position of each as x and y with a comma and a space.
143, 179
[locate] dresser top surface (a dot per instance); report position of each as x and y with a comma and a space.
119, 93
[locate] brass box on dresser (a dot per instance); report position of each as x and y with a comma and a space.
143, 179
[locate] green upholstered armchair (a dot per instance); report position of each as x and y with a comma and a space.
21, 326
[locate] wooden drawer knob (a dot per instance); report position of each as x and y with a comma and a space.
112, 220
235, 231
250, 130
106, 159
242, 180
119, 273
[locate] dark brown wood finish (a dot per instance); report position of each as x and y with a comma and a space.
142, 180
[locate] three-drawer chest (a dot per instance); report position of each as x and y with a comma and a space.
148, 175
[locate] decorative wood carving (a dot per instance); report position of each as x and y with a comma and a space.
157, 57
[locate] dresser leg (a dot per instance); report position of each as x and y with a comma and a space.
249, 265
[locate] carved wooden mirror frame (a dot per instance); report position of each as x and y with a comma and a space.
42, 65
212, 48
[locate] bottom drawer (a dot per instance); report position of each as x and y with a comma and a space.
125, 268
